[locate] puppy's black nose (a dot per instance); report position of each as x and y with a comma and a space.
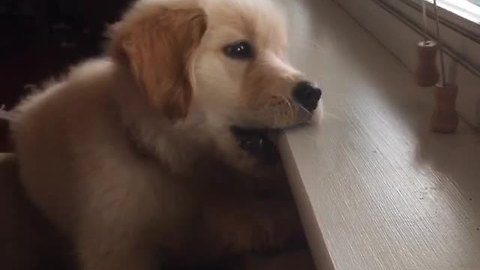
307, 95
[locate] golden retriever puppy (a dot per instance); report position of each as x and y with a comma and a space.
130, 153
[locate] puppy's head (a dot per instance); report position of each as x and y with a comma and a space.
227, 59
242, 69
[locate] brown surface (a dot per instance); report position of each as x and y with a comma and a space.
4, 146
296, 260
27, 241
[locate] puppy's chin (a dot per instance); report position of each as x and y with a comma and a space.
247, 140
259, 140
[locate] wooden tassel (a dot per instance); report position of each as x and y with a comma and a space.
445, 117
427, 74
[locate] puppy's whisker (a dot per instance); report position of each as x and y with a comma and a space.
304, 110
335, 94
275, 120
305, 41
314, 44
332, 115
291, 112
305, 46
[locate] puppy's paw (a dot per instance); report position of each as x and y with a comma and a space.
265, 235
301, 260
239, 230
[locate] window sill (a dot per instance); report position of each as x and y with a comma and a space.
376, 189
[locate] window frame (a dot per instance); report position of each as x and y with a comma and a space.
457, 10
398, 26
460, 36
451, 15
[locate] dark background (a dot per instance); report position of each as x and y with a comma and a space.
41, 38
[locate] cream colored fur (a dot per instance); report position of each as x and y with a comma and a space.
103, 161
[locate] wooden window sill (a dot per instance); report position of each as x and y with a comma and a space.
376, 189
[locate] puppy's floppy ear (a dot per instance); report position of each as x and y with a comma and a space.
158, 48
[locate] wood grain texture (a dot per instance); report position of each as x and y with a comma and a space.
377, 189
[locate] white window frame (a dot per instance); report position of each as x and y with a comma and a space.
463, 11
461, 35
462, 15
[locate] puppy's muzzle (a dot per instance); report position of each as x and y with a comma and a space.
307, 95
259, 142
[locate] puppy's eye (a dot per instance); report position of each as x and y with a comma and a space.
239, 50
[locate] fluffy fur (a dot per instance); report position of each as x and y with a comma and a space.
132, 152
